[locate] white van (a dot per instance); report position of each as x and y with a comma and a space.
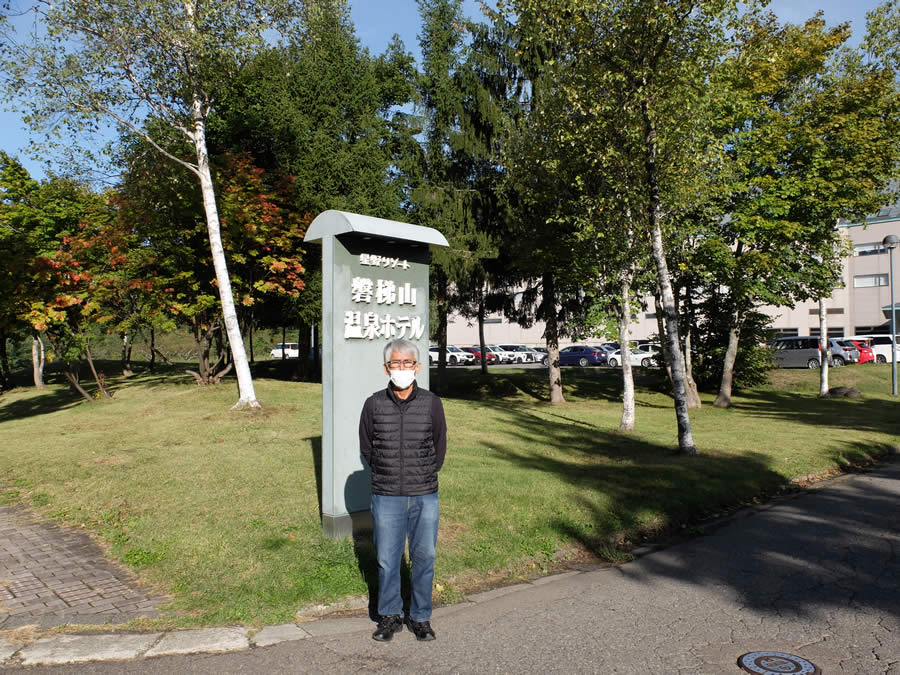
286, 350
881, 346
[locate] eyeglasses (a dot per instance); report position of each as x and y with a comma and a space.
405, 365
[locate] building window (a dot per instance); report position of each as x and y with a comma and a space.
493, 320
786, 332
870, 280
873, 248
830, 310
832, 332
866, 330
650, 315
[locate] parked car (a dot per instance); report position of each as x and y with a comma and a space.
455, 356
504, 356
797, 351
881, 345
843, 352
649, 348
521, 353
645, 358
866, 355
476, 352
536, 355
582, 355
285, 350
463, 357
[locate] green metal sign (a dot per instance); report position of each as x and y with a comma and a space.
374, 289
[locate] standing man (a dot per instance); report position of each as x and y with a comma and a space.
403, 438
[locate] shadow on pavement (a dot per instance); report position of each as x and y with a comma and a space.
833, 547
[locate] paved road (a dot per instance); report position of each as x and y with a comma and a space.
817, 576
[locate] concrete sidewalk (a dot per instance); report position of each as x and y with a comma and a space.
817, 575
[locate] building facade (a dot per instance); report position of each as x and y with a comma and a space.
858, 306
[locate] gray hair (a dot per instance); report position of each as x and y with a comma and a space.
402, 346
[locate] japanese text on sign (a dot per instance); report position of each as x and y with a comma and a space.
368, 325
371, 325
382, 261
384, 291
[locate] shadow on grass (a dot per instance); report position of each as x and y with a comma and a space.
627, 484
316, 445
288, 370
58, 395
40, 403
531, 384
863, 414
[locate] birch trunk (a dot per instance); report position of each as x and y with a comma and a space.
37, 361
246, 393
824, 349
661, 329
551, 336
723, 400
126, 356
672, 344
624, 321
693, 394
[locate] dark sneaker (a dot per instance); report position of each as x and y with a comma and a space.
421, 629
387, 626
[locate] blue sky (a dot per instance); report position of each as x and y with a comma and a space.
378, 20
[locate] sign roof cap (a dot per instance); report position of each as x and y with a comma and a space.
333, 222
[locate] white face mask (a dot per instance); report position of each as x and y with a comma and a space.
403, 379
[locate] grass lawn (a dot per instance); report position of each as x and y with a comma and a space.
220, 509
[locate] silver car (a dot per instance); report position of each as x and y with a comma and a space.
799, 351
843, 352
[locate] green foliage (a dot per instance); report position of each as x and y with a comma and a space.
810, 144
56, 258
161, 216
322, 110
709, 337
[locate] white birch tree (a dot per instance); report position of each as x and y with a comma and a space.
134, 60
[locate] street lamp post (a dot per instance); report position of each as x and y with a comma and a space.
891, 242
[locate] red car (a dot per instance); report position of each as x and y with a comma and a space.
491, 357
866, 353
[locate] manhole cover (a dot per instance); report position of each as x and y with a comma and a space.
776, 663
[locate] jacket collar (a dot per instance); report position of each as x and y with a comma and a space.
396, 399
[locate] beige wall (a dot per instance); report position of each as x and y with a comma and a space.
861, 306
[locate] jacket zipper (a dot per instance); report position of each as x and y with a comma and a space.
402, 455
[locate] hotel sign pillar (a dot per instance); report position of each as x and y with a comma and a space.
374, 289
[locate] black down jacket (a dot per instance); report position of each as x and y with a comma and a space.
403, 441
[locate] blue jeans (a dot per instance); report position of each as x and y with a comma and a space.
397, 518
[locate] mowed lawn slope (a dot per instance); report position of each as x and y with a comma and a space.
220, 509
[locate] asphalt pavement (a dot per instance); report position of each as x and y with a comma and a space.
815, 575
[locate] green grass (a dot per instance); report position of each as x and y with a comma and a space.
220, 509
